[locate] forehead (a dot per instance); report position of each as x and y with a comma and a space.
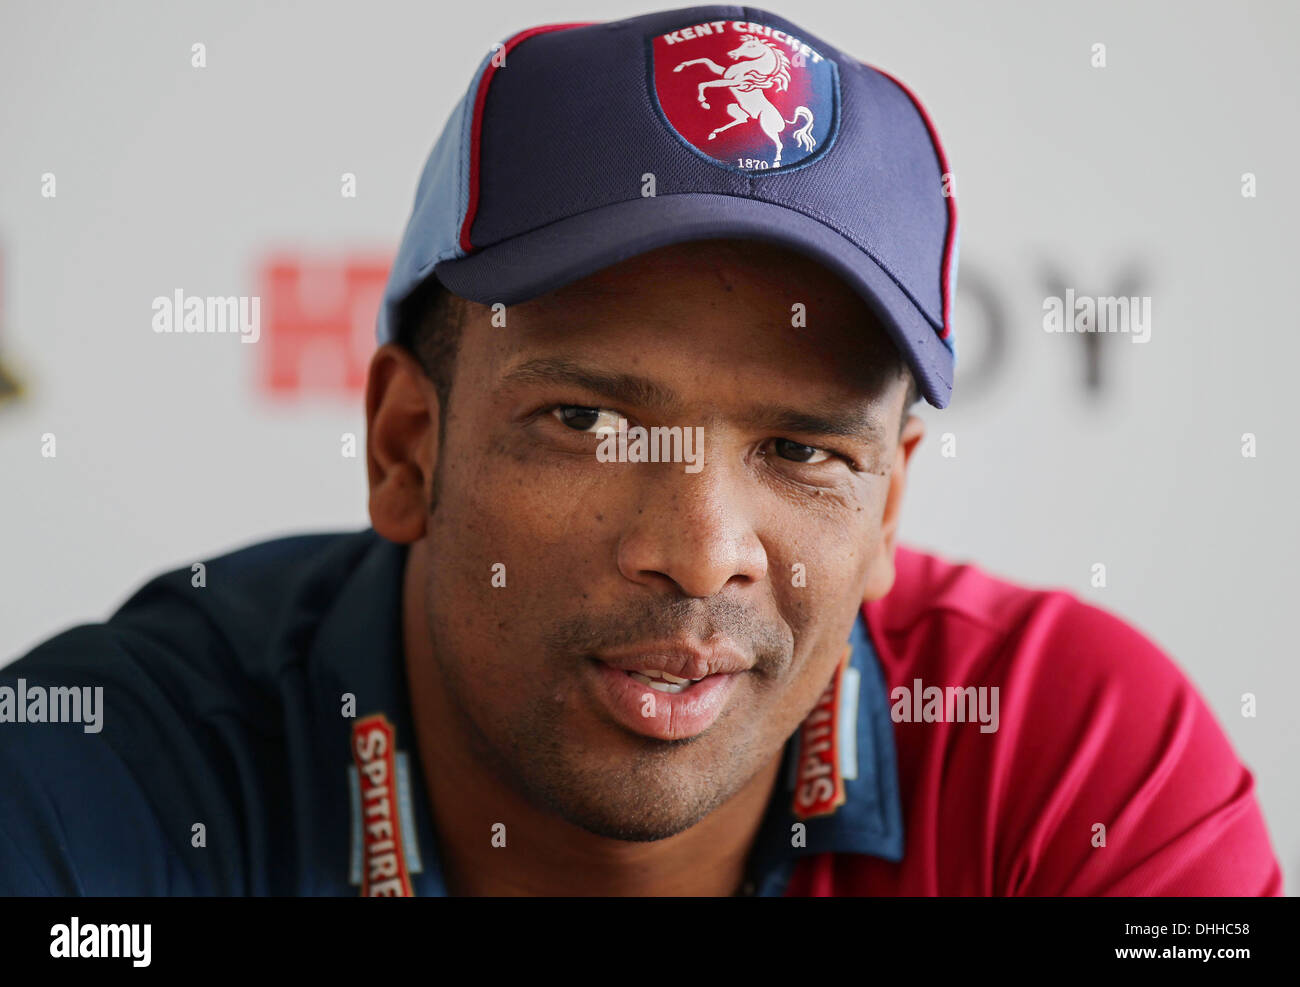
735, 307
755, 272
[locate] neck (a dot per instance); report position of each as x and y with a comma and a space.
544, 854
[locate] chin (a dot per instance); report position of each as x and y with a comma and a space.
635, 807
631, 827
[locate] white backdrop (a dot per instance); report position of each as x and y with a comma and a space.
170, 176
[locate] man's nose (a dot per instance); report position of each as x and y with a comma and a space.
695, 532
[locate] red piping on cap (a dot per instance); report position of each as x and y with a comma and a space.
952, 200
480, 98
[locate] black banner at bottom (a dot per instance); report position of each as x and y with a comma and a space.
335, 937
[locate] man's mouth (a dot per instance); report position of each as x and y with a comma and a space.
668, 690
664, 681
677, 662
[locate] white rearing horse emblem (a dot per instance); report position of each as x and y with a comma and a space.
764, 66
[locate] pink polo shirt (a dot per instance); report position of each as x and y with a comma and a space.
1096, 728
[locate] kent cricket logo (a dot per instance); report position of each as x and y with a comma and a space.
385, 851
745, 95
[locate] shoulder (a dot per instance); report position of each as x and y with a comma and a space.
1104, 767
205, 638
958, 619
116, 738
222, 612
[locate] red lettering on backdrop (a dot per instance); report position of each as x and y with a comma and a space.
319, 331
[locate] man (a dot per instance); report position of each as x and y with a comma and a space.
632, 617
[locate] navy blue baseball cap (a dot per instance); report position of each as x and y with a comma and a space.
577, 146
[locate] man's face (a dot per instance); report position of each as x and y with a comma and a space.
552, 574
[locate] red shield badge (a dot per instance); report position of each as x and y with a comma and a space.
745, 95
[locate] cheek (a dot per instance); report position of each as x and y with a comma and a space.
512, 550
819, 572
819, 566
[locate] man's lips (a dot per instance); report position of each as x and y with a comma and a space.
667, 690
677, 661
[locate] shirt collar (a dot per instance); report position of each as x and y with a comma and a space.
869, 820
362, 654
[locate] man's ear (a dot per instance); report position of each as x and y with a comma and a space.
402, 451
880, 577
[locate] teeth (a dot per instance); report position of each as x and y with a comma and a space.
662, 681
667, 687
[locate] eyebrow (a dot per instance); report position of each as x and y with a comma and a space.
628, 388
854, 423
642, 392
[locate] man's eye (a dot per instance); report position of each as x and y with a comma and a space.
796, 452
582, 419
